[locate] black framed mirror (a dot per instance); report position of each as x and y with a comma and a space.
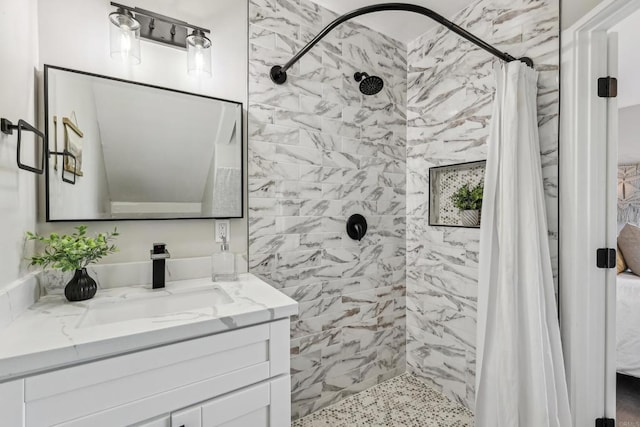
140, 151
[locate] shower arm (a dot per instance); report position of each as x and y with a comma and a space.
279, 73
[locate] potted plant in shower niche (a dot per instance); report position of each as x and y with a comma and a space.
469, 201
74, 252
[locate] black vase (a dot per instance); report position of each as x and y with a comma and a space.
81, 287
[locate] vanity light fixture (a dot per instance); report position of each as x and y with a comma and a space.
198, 53
125, 36
130, 24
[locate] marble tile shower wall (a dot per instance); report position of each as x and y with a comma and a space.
450, 94
320, 151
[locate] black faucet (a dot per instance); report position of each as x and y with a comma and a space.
159, 254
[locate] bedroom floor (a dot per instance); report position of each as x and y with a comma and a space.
401, 401
628, 401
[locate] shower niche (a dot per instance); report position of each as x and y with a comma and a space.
455, 194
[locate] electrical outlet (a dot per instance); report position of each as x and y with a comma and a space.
223, 228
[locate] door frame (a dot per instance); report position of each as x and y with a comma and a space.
587, 294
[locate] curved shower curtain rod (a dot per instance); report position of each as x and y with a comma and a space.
279, 73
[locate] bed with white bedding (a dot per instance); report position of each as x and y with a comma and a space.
628, 324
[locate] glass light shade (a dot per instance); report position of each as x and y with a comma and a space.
125, 36
198, 54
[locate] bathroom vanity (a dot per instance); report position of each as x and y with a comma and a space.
193, 354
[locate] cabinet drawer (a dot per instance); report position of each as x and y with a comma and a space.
134, 412
81, 376
214, 365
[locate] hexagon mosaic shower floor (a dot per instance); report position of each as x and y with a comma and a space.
403, 401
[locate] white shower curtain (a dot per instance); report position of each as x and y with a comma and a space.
520, 379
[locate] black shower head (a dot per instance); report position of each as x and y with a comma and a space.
370, 85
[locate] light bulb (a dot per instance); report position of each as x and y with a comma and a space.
125, 44
199, 61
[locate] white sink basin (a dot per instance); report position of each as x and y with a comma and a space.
153, 306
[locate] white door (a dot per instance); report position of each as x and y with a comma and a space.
588, 211
583, 171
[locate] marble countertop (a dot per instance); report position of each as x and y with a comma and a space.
55, 333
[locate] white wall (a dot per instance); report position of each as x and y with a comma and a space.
18, 59
573, 10
628, 131
75, 34
628, 89
628, 60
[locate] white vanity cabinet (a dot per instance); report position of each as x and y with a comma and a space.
11, 403
234, 378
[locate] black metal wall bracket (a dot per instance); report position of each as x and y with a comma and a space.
607, 87
606, 258
7, 127
65, 154
605, 422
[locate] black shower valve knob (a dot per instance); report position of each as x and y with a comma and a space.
356, 227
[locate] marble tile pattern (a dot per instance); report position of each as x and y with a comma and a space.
401, 401
320, 151
51, 333
450, 95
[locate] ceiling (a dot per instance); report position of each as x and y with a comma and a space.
402, 26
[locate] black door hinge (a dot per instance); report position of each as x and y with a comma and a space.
606, 258
605, 422
607, 87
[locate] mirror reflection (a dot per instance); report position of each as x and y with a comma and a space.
131, 151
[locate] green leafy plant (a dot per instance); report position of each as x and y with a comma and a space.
75, 251
466, 198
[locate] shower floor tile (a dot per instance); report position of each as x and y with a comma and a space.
403, 401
